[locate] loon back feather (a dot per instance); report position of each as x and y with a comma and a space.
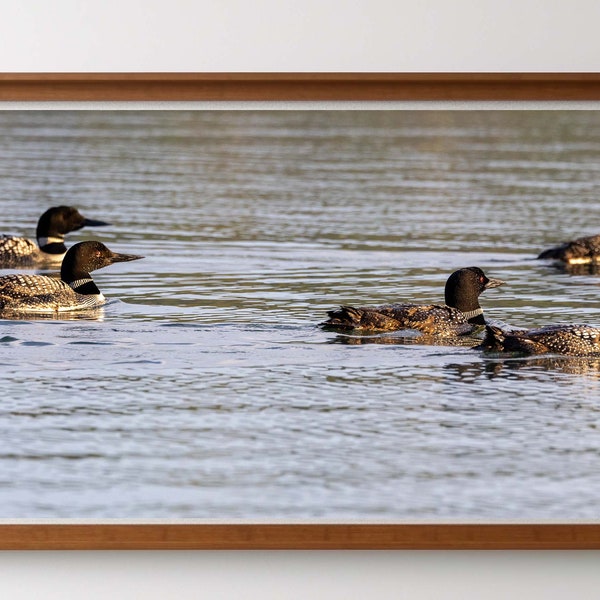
349, 317
568, 340
18, 252
39, 293
580, 251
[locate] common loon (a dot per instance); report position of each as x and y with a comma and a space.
582, 251
459, 316
570, 340
51, 229
74, 290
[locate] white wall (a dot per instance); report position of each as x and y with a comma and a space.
300, 575
299, 35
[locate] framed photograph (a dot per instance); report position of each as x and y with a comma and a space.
202, 403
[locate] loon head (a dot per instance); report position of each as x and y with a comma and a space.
59, 220
463, 289
85, 257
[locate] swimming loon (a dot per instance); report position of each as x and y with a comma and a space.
74, 290
459, 316
582, 251
570, 340
51, 229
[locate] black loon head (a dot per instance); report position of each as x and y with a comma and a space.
85, 257
463, 289
60, 220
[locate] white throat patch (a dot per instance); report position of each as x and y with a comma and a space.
473, 313
79, 282
50, 240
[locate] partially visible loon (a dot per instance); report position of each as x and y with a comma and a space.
74, 290
51, 229
459, 316
582, 251
570, 340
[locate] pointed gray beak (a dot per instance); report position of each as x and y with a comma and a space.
124, 257
93, 223
492, 283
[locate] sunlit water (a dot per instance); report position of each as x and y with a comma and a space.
204, 388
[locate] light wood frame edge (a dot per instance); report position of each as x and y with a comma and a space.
303, 536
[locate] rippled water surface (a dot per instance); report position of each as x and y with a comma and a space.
204, 389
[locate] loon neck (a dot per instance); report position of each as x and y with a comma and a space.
77, 277
85, 286
52, 244
76, 266
474, 316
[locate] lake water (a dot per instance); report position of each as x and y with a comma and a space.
204, 389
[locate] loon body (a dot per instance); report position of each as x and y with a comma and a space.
570, 340
50, 249
459, 316
75, 290
582, 251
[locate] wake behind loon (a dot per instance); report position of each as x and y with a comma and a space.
459, 316
50, 234
75, 290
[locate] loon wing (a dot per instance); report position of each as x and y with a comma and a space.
349, 317
16, 251
580, 251
428, 319
570, 340
25, 292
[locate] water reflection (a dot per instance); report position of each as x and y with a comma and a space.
405, 338
515, 368
583, 269
92, 314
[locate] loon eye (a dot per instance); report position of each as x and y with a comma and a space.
481, 279
98, 254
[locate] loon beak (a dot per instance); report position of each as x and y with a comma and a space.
93, 223
123, 257
492, 283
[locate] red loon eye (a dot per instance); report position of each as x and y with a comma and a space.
481, 279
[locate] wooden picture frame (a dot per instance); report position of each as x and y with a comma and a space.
291, 87
150, 87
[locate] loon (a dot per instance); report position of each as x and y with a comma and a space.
582, 251
570, 340
459, 316
51, 229
75, 290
